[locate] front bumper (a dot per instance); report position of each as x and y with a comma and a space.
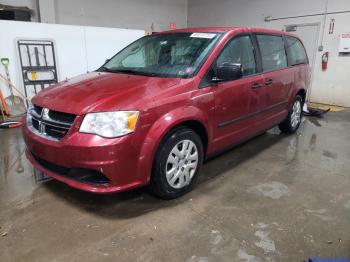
117, 160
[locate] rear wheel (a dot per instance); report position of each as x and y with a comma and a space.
293, 120
177, 162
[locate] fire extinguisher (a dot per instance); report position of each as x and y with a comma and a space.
325, 61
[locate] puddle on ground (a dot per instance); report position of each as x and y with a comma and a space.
274, 190
347, 205
16, 182
244, 257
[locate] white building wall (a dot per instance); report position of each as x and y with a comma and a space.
47, 11
135, 14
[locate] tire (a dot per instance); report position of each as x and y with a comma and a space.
293, 120
175, 168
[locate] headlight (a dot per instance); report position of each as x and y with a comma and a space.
110, 124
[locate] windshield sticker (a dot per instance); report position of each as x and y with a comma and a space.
203, 35
188, 70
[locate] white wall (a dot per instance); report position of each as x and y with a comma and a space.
47, 11
134, 14
331, 86
247, 12
138, 14
78, 49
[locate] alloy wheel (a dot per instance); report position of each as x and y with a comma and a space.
296, 114
182, 164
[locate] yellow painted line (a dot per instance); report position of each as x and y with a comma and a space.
325, 107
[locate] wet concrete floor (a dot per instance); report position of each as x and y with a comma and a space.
274, 198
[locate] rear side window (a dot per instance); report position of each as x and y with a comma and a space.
239, 51
296, 52
272, 50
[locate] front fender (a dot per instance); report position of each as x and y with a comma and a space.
160, 128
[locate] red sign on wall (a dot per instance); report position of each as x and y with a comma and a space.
331, 26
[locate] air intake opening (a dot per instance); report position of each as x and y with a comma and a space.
82, 175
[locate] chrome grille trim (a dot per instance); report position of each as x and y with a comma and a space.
52, 122
45, 124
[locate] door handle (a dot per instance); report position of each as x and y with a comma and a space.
256, 85
268, 82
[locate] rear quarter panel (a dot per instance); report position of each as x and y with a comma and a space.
301, 81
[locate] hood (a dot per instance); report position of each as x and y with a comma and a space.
97, 91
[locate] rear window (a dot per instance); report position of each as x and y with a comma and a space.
272, 50
296, 52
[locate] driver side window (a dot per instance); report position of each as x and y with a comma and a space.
240, 50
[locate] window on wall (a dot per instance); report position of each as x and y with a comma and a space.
296, 52
273, 53
239, 51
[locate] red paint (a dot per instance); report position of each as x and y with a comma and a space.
325, 58
10, 124
164, 103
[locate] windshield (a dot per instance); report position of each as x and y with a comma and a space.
164, 55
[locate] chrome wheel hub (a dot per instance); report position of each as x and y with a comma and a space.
296, 114
182, 164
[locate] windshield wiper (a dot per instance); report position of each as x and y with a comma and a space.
129, 71
105, 69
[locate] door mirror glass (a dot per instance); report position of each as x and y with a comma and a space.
228, 72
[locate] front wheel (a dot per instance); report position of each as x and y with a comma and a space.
293, 120
177, 162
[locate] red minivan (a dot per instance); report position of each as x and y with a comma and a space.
153, 112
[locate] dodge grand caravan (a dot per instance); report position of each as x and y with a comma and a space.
153, 112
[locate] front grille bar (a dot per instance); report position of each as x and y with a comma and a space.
44, 126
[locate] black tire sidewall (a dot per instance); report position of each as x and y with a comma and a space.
159, 183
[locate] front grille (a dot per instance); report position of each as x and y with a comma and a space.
37, 109
82, 175
61, 117
57, 132
35, 123
50, 124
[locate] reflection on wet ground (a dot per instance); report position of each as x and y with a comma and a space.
274, 198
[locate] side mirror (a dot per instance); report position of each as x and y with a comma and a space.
228, 72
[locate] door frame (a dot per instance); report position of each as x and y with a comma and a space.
313, 66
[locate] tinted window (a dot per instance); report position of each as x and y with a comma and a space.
239, 51
296, 52
272, 51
